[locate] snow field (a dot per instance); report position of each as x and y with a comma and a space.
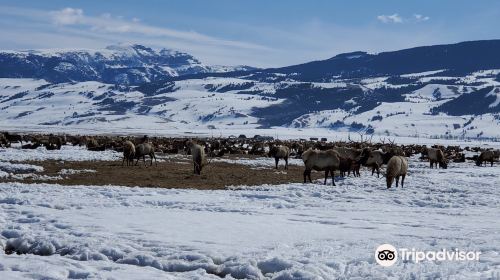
67, 153
291, 231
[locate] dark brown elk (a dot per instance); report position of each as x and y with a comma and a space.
355, 167
31, 146
257, 149
13, 138
436, 156
280, 152
56, 141
90, 142
327, 161
141, 140
487, 156
144, 149
345, 166
3, 141
374, 159
396, 167
354, 156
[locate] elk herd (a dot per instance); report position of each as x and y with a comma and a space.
343, 157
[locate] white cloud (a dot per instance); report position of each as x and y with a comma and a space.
395, 18
107, 23
419, 17
67, 16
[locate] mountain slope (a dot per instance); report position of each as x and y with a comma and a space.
119, 64
435, 91
457, 59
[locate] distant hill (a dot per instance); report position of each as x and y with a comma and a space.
443, 90
119, 64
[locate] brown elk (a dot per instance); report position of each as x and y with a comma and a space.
198, 154
351, 158
396, 167
327, 161
486, 156
56, 141
355, 167
436, 156
128, 152
144, 149
374, 159
280, 152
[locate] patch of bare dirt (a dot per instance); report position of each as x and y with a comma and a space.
173, 173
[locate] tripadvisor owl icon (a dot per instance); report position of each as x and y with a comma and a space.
386, 255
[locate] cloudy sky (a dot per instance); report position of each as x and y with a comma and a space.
258, 33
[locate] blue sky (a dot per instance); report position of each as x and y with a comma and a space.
258, 33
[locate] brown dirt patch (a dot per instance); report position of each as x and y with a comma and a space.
174, 173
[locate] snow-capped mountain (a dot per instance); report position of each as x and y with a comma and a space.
117, 64
435, 91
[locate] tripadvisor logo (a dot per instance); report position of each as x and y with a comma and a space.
387, 255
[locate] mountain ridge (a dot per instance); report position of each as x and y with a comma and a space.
385, 93
126, 64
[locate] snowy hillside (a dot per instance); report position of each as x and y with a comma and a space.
38, 103
429, 96
236, 104
117, 64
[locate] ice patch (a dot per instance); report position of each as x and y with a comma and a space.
35, 177
75, 171
19, 167
260, 162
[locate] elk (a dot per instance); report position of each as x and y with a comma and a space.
57, 141
350, 153
198, 154
363, 141
31, 146
327, 161
353, 155
355, 166
392, 148
11, 138
486, 156
128, 153
396, 167
345, 166
436, 156
280, 152
374, 159
91, 143
144, 149
3, 141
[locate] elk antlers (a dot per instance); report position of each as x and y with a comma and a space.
363, 138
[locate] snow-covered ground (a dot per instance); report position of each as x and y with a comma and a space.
292, 231
68, 153
259, 162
